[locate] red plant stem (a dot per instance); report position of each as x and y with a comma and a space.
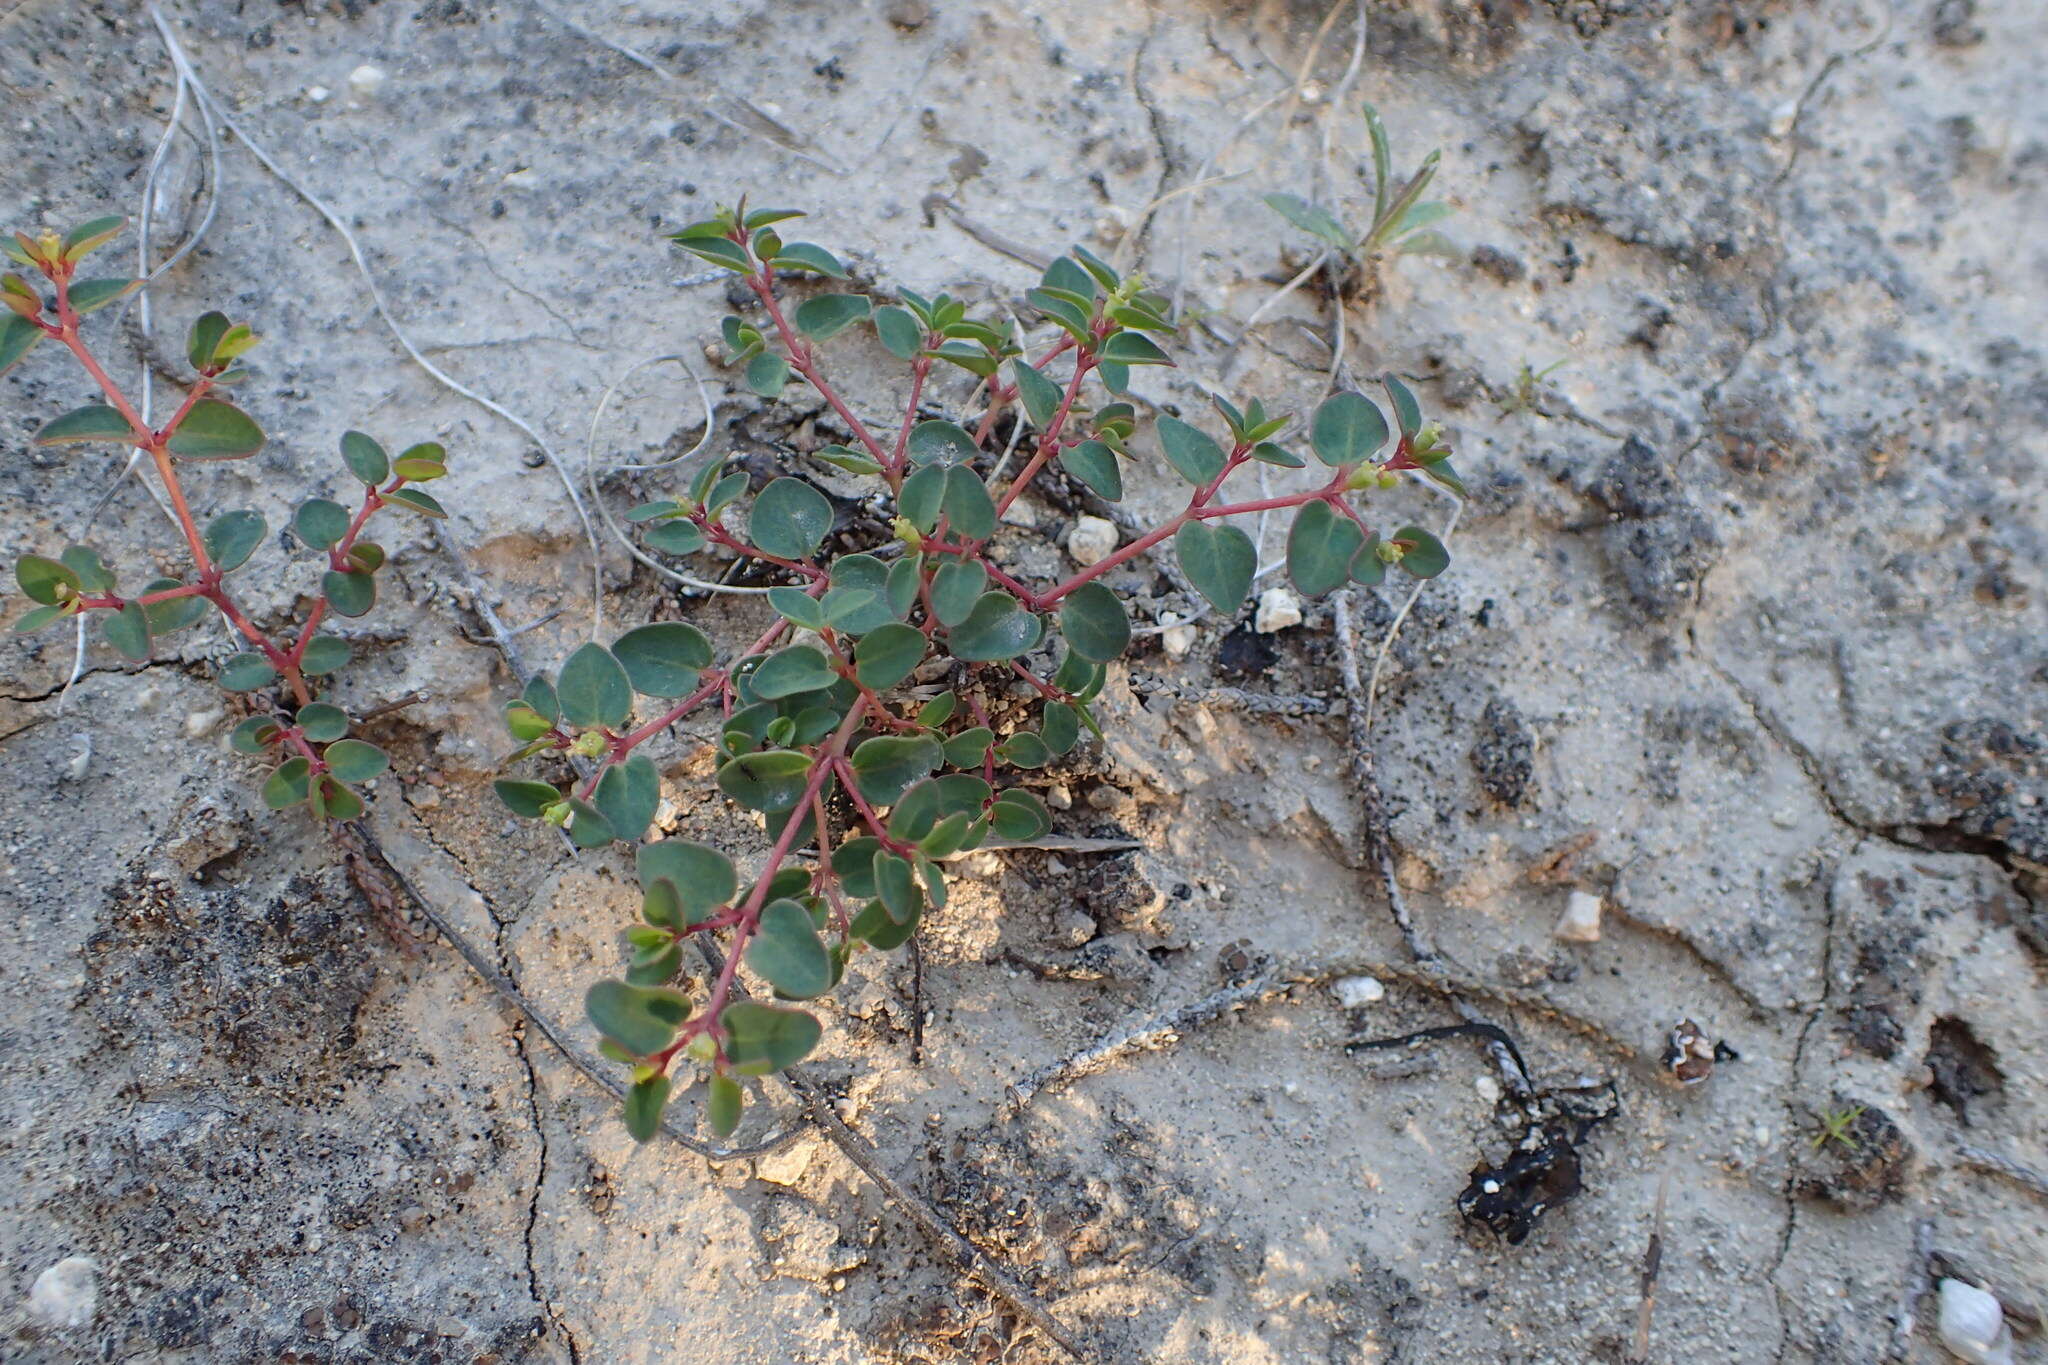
824, 876
718, 535
823, 763
337, 560
804, 362
1000, 394
918, 371
1330, 492
148, 599
156, 444
1049, 443
866, 811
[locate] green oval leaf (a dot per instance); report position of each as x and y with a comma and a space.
288, 784
214, 430
323, 654
321, 721
722, 1105
48, 581
1194, 456
246, 673
1346, 430
702, 878
320, 522
886, 765
970, 512
526, 799
593, 688
628, 795
18, 336
1094, 464
770, 781
811, 257
790, 519
349, 592
762, 1038
232, 537
127, 630
799, 668
663, 659
419, 500
93, 422
899, 331
995, 630
91, 295
788, 954
644, 1103
1320, 547
1094, 623
1425, 555
940, 443
827, 315
353, 760
364, 457
1219, 561
1407, 412
1041, 397
767, 373
956, 587
641, 1019
888, 654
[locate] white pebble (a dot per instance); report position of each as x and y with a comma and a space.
197, 723
787, 1166
319, 94
81, 758
366, 80
1091, 541
1354, 992
1580, 922
66, 1294
1278, 609
1488, 1088
1178, 638
1973, 1325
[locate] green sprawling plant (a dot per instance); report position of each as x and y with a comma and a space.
873, 722
1401, 218
314, 762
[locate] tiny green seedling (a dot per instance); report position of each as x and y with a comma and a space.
1401, 220
905, 678
313, 760
1835, 1125
1521, 395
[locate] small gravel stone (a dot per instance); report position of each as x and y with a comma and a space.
366, 80
1091, 541
1356, 992
1178, 638
1580, 922
67, 1293
1279, 608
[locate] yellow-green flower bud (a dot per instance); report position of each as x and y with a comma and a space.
589, 744
557, 814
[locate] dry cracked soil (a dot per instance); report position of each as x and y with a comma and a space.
1746, 637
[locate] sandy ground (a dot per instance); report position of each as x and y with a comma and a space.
1748, 615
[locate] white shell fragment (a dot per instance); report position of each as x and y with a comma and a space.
1091, 541
366, 80
1355, 992
66, 1294
1580, 922
1178, 637
1279, 608
1973, 1326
